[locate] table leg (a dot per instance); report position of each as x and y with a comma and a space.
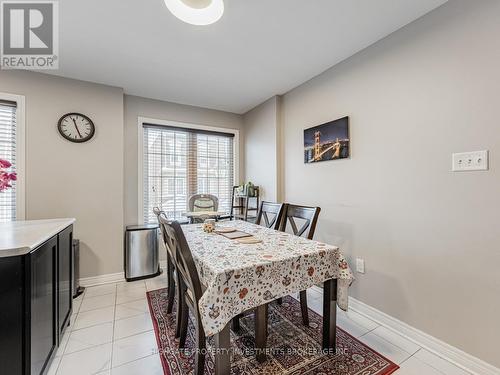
222, 352
261, 332
330, 315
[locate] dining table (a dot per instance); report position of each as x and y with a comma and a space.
240, 276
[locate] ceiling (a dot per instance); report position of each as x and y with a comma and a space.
258, 49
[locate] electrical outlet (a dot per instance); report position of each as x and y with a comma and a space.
470, 161
360, 265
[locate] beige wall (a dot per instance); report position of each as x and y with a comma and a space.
65, 179
262, 127
430, 237
95, 182
136, 107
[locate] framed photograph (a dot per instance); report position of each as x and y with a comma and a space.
329, 141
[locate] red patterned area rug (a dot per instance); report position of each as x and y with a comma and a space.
293, 348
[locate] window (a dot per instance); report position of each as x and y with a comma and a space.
179, 162
8, 128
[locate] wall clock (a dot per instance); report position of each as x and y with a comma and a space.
76, 127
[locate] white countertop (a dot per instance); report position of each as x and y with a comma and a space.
20, 237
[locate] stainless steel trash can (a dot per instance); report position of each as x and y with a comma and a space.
141, 252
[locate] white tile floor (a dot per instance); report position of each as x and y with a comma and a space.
111, 333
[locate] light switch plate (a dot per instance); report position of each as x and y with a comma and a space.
470, 161
360, 265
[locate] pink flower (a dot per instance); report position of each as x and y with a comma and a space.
5, 164
6, 177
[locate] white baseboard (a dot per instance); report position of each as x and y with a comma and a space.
432, 344
110, 277
102, 279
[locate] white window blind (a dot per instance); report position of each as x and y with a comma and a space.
8, 152
180, 162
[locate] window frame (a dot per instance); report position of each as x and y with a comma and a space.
20, 152
177, 124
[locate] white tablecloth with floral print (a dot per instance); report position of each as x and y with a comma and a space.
239, 277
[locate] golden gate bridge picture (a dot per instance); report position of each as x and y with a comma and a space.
328, 141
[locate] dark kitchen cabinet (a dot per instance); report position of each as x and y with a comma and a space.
43, 305
12, 316
35, 305
65, 269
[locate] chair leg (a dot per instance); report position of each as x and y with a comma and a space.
303, 307
171, 285
201, 348
235, 323
183, 324
180, 305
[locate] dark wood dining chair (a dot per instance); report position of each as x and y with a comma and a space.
270, 215
309, 216
170, 264
190, 293
173, 285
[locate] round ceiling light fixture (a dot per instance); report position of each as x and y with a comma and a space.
196, 12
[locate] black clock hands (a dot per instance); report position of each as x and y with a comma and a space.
76, 126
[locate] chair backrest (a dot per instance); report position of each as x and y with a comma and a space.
271, 214
308, 214
169, 245
203, 202
157, 211
184, 262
